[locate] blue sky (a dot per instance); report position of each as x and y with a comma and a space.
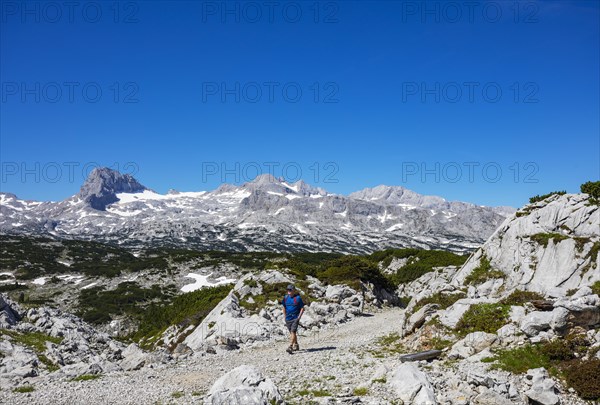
489, 103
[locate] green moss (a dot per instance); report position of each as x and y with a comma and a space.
520, 359
86, 377
544, 238
483, 317
483, 273
596, 287
361, 391
519, 297
24, 389
177, 394
444, 300
35, 340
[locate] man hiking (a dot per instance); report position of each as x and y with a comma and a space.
293, 308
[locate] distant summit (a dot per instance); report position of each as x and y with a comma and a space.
267, 213
103, 184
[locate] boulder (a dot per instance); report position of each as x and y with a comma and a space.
8, 316
133, 358
336, 293
472, 344
417, 319
543, 389
536, 322
244, 385
411, 385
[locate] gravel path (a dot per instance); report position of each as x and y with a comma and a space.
332, 361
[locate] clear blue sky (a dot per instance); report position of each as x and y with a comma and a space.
379, 64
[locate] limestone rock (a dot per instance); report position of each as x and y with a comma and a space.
244, 385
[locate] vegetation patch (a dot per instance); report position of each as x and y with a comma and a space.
24, 389
544, 238
388, 345
483, 273
520, 359
592, 188
561, 357
86, 377
596, 287
519, 297
97, 305
361, 391
444, 300
542, 197
183, 310
270, 292
419, 262
34, 340
483, 317
584, 378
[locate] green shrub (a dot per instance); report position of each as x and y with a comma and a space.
86, 377
361, 391
183, 310
444, 300
584, 377
483, 317
483, 273
596, 287
352, 270
592, 188
544, 238
520, 359
35, 340
537, 198
24, 389
420, 262
519, 297
96, 305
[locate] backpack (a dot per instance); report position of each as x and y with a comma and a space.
295, 299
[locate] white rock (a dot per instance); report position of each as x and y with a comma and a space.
543, 390
411, 385
535, 322
244, 385
472, 344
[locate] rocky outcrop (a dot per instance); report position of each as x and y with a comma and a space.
71, 348
102, 185
549, 247
244, 385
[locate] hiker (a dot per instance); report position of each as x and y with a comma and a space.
293, 308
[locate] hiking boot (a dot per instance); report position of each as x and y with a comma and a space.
290, 349
295, 348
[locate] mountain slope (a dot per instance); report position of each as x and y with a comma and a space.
264, 214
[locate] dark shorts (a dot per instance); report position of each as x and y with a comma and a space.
292, 325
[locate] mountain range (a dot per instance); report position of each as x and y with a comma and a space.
266, 213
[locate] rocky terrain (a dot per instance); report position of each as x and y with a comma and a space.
266, 214
517, 323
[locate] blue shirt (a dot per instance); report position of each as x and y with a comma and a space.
292, 306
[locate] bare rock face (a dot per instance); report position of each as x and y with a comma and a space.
263, 214
102, 185
549, 247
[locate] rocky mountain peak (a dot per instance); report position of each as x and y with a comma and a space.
102, 185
